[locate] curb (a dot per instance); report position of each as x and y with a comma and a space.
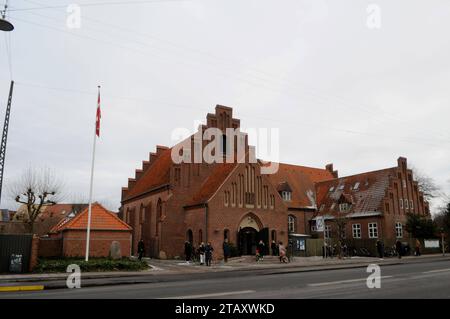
21, 288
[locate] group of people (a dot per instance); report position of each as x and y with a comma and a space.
400, 249
203, 252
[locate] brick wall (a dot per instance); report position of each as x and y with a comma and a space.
50, 247
74, 243
34, 252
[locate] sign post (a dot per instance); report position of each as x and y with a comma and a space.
320, 227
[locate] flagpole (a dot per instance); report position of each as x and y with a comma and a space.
88, 235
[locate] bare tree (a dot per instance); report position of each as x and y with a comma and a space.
341, 222
36, 188
427, 185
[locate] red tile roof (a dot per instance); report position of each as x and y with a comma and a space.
158, 174
212, 183
101, 219
301, 180
365, 197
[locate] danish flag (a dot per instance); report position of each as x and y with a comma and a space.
99, 116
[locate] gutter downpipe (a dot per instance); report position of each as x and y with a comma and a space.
206, 223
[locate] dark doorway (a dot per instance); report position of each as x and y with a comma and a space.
248, 238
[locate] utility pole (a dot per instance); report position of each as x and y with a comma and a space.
5, 137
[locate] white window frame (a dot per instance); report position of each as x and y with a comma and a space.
286, 195
398, 230
291, 224
372, 228
406, 203
401, 203
343, 207
356, 231
411, 204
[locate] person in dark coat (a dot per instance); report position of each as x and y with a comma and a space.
188, 250
141, 249
226, 250
380, 249
261, 249
208, 254
274, 248
399, 248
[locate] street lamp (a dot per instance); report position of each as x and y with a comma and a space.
4, 24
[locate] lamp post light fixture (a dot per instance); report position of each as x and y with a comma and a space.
5, 25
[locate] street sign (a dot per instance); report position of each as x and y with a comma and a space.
320, 224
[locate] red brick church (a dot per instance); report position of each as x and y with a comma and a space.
169, 202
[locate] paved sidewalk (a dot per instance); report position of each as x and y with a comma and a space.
270, 265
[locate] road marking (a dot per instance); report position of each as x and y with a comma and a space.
20, 288
319, 284
219, 294
437, 270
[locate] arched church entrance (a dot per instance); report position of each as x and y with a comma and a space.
250, 232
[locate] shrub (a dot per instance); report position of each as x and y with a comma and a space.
95, 264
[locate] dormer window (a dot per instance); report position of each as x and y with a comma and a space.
356, 186
287, 196
341, 187
343, 207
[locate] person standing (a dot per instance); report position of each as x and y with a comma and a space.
141, 249
188, 251
399, 249
201, 252
226, 250
208, 253
261, 249
273, 246
418, 246
380, 249
282, 253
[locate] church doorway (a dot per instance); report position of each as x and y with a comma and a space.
250, 232
248, 237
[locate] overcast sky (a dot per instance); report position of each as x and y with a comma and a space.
339, 91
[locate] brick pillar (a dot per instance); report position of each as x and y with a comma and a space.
34, 252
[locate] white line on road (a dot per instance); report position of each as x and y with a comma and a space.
342, 282
219, 294
437, 270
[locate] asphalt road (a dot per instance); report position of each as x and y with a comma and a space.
430, 279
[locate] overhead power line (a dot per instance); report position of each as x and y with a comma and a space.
99, 4
297, 123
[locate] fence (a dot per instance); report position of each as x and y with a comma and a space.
15, 253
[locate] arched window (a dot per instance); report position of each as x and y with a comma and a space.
142, 214
200, 236
158, 215
291, 224
190, 236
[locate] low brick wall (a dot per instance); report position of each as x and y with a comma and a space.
50, 247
